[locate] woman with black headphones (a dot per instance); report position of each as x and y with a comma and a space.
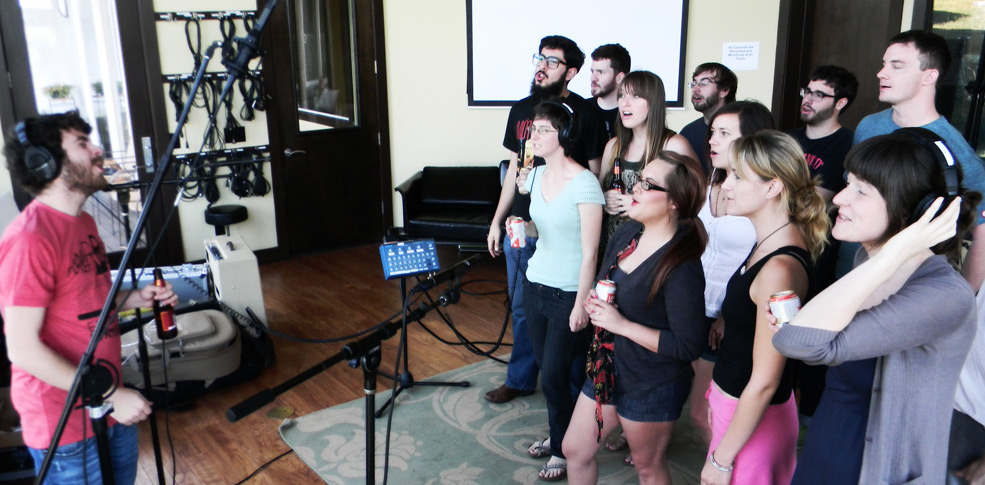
566, 205
896, 329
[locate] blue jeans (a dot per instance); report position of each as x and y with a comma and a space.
556, 348
521, 373
79, 462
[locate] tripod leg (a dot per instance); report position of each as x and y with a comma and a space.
370, 362
98, 417
444, 384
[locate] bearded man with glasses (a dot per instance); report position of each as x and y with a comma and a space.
712, 86
557, 61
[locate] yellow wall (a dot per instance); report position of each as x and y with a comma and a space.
431, 123
257, 230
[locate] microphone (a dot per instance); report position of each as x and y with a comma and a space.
249, 46
454, 273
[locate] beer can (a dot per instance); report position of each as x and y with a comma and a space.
606, 289
515, 229
784, 306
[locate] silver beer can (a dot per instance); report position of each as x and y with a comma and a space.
606, 290
784, 306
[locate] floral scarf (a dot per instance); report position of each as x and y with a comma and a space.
601, 366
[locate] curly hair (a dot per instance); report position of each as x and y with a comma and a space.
774, 155
43, 132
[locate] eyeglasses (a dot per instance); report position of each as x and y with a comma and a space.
540, 130
814, 95
648, 186
552, 62
704, 82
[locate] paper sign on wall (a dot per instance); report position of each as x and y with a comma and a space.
741, 56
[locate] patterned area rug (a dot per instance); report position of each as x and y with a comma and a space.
452, 435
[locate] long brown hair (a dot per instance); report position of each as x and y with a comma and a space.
686, 187
649, 86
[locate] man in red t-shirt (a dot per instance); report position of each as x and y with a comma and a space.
54, 281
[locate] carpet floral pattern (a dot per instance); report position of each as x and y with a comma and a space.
453, 436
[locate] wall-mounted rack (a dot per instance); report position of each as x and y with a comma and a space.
209, 76
176, 16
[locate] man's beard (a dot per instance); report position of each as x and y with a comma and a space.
547, 92
605, 91
82, 179
708, 102
818, 116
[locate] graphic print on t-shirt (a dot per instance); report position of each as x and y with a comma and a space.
90, 257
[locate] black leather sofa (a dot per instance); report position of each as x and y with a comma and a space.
452, 205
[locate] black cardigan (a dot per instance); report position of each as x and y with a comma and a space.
677, 310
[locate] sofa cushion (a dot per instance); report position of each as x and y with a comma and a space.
460, 185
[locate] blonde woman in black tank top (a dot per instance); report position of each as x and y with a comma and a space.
753, 414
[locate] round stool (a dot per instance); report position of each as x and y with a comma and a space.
222, 216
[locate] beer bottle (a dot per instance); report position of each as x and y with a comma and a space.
163, 314
616, 183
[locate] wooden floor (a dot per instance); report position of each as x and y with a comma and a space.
321, 296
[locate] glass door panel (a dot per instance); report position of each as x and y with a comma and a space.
961, 95
324, 64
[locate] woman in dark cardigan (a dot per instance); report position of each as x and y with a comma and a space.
640, 361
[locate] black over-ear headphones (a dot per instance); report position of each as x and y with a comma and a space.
566, 133
38, 160
945, 160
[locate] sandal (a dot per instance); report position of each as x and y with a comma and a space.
628, 461
554, 470
540, 448
616, 443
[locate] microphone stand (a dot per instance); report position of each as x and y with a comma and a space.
363, 353
249, 49
406, 380
123, 197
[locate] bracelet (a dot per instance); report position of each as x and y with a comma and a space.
726, 469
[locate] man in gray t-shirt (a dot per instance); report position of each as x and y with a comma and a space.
911, 67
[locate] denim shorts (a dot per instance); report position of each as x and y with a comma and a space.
79, 462
658, 405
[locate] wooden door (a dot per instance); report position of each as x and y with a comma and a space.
328, 124
847, 33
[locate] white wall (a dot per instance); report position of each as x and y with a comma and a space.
431, 123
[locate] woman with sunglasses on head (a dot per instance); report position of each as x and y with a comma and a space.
640, 134
566, 205
753, 413
896, 329
640, 358
729, 239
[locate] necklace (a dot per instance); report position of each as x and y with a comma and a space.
717, 198
760, 243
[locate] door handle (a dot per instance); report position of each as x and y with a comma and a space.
288, 153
